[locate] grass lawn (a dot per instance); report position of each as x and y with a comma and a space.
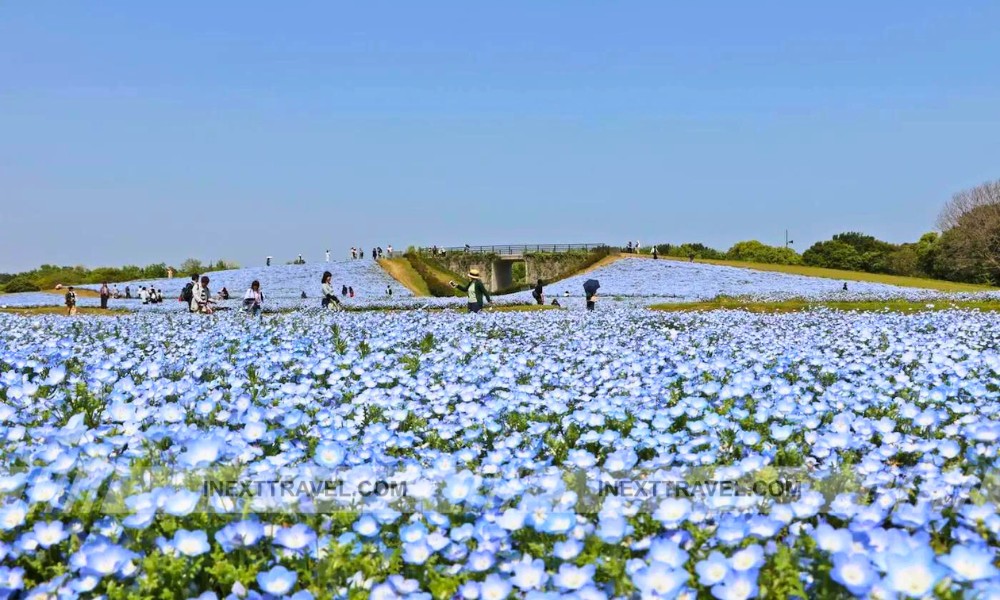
801, 304
914, 282
402, 271
61, 310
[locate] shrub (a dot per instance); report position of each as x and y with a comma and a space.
20, 284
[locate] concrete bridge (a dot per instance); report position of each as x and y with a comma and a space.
496, 262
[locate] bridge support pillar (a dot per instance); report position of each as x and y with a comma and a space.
502, 275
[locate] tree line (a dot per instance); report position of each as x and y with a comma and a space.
967, 249
46, 277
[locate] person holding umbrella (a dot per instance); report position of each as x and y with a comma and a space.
590, 289
475, 291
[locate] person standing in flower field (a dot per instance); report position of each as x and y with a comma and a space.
105, 294
389, 250
538, 293
327, 256
70, 302
475, 291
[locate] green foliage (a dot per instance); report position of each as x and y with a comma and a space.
46, 277
434, 276
754, 251
689, 250
20, 284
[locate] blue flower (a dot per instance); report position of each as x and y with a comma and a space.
278, 581
296, 537
494, 587
913, 574
330, 455
854, 572
713, 569
736, 586
969, 563
612, 529
571, 577
529, 574
190, 543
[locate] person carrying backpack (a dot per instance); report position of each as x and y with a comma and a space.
70, 302
475, 291
187, 294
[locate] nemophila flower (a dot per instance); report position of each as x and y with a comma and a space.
241, 534
11, 580
202, 452
414, 532
278, 581
612, 529
106, 560
480, 561
571, 577
668, 552
672, 512
567, 550
181, 503
747, 559
12, 515
45, 491
914, 574
970, 563
512, 519
330, 455
49, 534
295, 537
736, 586
854, 572
190, 543
494, 587
660, 580
416, 553
366, 526
460, 487
529, 574
713, 569
832, 540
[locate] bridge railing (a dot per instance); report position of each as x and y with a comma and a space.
513, 249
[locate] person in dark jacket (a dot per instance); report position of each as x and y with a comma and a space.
475, 291
538, 293
105, 294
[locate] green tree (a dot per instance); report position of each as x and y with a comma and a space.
755, 251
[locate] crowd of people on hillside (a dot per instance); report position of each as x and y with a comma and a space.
358, 252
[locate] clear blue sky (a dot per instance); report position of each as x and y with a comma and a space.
138, 132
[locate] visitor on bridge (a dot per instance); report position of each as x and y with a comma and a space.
538, 293
330, 299
475, 291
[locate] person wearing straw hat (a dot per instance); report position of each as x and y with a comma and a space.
475, 291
